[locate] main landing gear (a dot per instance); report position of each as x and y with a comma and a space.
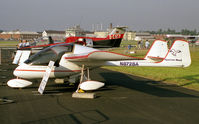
86, 84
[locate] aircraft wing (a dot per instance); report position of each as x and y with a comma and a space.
100, 56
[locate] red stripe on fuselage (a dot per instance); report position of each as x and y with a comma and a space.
76, 57
45, 70
45, 45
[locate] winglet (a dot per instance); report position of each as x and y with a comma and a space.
158, 50
178, 55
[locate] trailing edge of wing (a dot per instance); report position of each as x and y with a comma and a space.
100, 56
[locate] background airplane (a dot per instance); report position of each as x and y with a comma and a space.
113, 39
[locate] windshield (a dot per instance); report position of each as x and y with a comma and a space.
52, 53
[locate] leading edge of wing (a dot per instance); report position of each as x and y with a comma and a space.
100, 56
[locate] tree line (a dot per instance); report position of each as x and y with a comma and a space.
169, 31
173, 31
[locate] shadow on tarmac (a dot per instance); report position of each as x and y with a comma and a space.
155, 88
90, 116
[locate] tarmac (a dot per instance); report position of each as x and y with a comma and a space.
124, 99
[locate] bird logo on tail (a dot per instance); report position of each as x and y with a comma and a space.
174, 52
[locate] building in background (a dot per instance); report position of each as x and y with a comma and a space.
129, 36
144, 36
160, 36
56, 35
74, 31
19, 35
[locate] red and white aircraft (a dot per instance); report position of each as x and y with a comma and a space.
72, 59
113, 39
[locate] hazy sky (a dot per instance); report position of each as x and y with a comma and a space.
38, 15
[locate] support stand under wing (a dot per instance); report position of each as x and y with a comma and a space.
45, 77
86, 85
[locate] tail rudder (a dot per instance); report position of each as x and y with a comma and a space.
158, 50
117, 33
51, 41
178, 55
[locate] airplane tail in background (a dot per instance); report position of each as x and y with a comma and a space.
158, 50
117, 33
51, 41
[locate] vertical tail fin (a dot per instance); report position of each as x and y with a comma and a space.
178, 55
117, 33
158, 50
50, 40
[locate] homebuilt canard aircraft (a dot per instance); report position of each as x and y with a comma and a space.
71, 60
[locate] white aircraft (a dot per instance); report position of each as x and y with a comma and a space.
71, 60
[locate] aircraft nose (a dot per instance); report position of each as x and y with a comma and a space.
18, 72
